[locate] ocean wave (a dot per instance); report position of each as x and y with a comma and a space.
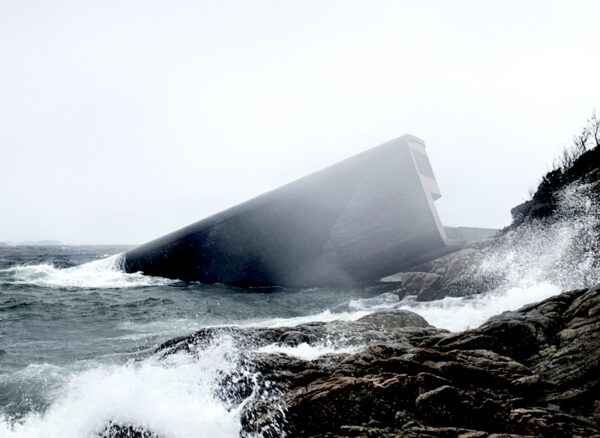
105, 273
174, 397
529, 264
456, 314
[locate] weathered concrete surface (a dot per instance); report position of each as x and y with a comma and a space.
352, 223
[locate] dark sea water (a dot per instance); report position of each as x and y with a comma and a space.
52, 310
77, 334
68, 310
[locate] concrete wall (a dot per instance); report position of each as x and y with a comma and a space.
351, 223
470, 234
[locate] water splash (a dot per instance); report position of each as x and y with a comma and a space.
529, 264
461, 313
173, 397
309, 351
105, 273
562, 251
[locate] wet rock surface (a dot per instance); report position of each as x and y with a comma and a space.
380, 327
114, 430
531, 372
534, 372
454, 274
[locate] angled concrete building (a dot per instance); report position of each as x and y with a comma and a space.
352, 223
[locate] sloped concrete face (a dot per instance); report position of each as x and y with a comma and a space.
351, 223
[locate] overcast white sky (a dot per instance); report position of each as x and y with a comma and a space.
123, 120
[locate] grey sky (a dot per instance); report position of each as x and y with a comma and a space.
123, 120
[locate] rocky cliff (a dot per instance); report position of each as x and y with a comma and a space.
579, 164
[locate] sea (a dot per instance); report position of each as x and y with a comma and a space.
77, 334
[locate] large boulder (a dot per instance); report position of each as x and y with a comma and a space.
532, 372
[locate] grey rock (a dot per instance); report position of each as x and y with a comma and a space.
531, 372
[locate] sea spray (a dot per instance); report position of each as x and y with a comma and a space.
537, 260
562, 250
106, 273
307, 351
173, 396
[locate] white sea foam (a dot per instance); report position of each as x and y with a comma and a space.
457, 314
533, 263
174, 397
381, 302
324, 316
105, 273
530, 264
563, 252
306, 351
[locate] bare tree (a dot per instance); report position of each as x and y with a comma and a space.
587, 139
594, 123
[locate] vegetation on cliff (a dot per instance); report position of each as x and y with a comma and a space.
579, 163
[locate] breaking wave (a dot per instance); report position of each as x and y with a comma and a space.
529, 264
456, 314
174, 397
105, 273
563, 250
307, 351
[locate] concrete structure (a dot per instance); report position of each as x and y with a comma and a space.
351, 223
470, 234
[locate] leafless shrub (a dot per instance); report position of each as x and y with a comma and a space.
587, 139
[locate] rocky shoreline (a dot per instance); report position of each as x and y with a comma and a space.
531, 372
534, 372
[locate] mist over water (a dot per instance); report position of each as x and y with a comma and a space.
529, 264
173, 397
106, 273
76, 340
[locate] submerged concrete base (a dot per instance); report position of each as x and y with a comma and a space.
352, 223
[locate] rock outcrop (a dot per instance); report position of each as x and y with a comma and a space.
562, 249
454, 274
531, 372
579, 165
